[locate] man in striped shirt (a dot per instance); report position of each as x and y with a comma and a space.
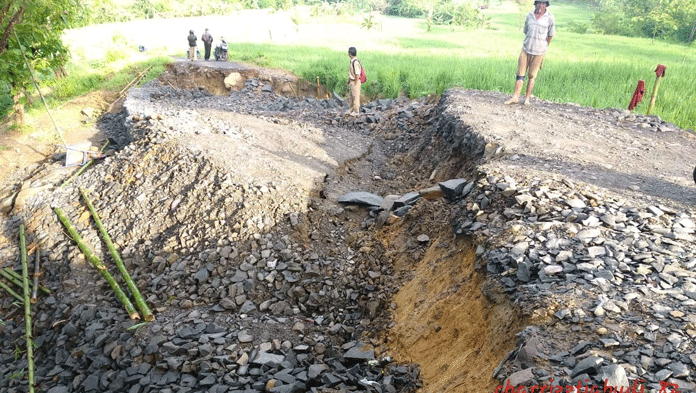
539, 28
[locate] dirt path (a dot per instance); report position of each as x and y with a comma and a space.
640, 156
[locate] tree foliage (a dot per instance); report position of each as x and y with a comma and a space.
439, 12
667, 19
39, 25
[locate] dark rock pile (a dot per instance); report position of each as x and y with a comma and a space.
602, 268
242, 303
611, 280
258, 286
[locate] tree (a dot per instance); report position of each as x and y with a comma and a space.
39, 25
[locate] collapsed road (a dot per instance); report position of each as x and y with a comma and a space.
444, 244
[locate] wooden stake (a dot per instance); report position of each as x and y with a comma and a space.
27, 309
660, 72
144, 309
97, 263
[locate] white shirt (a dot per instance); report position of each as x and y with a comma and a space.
536, 32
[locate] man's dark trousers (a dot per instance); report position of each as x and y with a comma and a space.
207, 49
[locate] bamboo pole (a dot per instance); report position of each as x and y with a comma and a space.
121, 93
10, 291
37, 262
12, 279
653, 97
27, 309
144, 309
97, 264
19, 277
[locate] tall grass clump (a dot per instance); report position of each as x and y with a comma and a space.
75, 84
5, 101
82, 80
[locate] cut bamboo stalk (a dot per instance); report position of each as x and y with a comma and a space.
142, 306
27, 309
97, 263
37, 261
12, 279
19, 277
10, 291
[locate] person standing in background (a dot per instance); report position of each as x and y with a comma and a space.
192, 39
539, 28
207, 39
354, 71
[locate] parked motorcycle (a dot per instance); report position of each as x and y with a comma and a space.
221, 50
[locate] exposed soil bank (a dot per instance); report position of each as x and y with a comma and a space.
220, 77
448, 319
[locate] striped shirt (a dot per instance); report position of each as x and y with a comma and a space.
536, 32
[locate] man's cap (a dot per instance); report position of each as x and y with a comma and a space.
543, 1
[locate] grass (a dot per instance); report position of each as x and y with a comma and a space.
84, 80
588, 69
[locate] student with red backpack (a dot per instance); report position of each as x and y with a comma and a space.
356, 77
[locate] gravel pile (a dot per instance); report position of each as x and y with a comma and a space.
608, 281
241, 304
257, 286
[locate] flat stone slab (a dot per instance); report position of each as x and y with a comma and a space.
360, 352
361, 198
407, 199
268, 358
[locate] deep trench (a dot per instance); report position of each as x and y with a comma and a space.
444, 315
447, 317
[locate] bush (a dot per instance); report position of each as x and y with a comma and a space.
406, 8
461, 15
5, 101
444, 13
115, 54
614, 23
578, 27
143, 9
370, 5
336, 9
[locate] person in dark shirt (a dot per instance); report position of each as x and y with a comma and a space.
192, 45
